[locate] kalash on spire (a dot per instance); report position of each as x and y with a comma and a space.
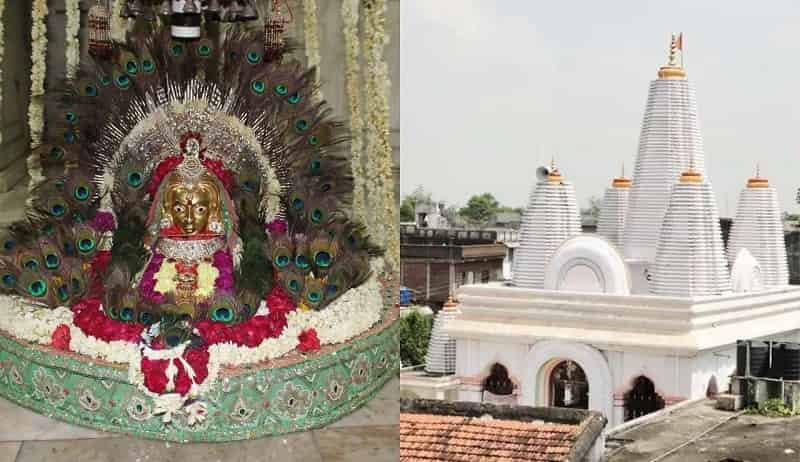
673, 69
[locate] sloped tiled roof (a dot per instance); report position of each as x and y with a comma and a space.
428, 437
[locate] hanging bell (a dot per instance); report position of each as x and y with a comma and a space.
99, 21
234, 11
166, 8
249, 12
135, 8
189, 7
212, 6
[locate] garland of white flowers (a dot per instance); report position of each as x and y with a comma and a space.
38, 73
2, 53
353, 313
73, 43
353, 89
119, 25
311, 34
383, 220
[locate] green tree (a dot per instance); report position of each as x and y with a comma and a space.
480, 209
410, 201
415, 333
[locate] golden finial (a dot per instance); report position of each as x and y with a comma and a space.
673, 70
757, 181
691, 175
450, 304
554, 176
621, 181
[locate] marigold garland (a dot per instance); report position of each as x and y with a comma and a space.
311, 35
353, 90
73, 53
39, 13
2, 53
383, 222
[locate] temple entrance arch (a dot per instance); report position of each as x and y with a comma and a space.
547, 355
567, 385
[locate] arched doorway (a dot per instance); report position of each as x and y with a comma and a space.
568, 386
642, 399
498, 382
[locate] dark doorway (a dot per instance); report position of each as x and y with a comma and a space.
568, 386
642, 399
498, 382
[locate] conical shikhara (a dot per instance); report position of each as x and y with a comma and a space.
113, 132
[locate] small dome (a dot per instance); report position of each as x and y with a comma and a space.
587, 263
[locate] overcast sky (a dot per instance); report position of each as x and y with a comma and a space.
492, 89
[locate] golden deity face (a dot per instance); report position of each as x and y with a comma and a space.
193, 207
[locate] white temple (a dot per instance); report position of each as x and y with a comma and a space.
551, 217
613, 210
626, 331
441, 355
759, 229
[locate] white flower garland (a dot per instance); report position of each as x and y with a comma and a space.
383, 219
353, 313
73, 42
119, 25
311, 35
38, 73
2, 53
353, 89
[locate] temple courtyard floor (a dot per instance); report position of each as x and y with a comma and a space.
369, 434
700, 433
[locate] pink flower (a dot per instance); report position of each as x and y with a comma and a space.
308, 341
223, 262
147, 287
278, 226
104, 221
61, 337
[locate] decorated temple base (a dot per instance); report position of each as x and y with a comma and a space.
293, 394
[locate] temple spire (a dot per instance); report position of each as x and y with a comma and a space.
673, 69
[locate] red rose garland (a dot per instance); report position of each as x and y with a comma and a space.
308, 341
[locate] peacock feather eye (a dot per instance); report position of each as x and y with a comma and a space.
90, 89
281, 261
148, 66
86, 245
51, 261
81, 193
47, 229
281, 89
37, 288
323, 259
301, 261
123, 82
69, 248
204, 50
298, 203
105, 80
249, 185
126, 314
314, 297
9, 245
9, 280
316, 164
78, 217
113, 312
294, 285
332, 289
59, 185
258, 86
253, 57
77, 285
71, 117
317, 215
58, 210
131, 67
135, 179
56, 153
146, 318
63, 293
176, 50
222, 314
70, 137
313, 140
301, 125
294, 98
31, 264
